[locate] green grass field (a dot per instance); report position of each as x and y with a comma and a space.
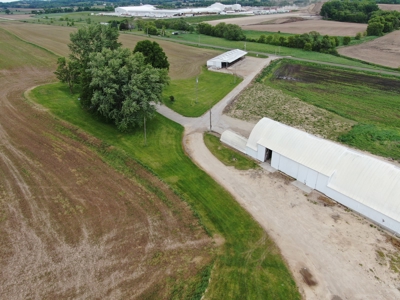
227, 155
194, 99
249, 265
372, 101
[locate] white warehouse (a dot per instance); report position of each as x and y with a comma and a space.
226, 59
361, 182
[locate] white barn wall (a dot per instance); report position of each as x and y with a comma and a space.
251, 152
364, 210
275, 160
261, 153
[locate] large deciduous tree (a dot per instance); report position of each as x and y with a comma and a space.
125, 88
84, 42
153, 53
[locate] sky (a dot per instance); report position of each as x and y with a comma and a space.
5, 1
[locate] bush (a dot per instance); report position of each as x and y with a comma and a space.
358, 36
346, 40
172, 98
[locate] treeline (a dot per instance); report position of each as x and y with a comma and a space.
348, 11
379, 21
382, 22
71, 9
230, 32
312, 41
388, 1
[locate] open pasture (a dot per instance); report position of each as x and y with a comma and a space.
185, 61
384, 51
364, 98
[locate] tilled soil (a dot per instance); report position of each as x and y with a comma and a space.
383, 51
73, 227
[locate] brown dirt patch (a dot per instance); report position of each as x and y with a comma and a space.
71, 226
185, 61
382, 51
389, 6
331, 28
307, 277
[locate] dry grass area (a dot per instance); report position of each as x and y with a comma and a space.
71, 227
300, 26
259, 100
382, 51
185, 61
389, 6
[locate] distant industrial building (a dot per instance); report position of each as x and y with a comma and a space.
151, 11
361, 182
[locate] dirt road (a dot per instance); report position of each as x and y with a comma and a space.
339, 249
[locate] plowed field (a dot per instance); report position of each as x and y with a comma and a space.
71, 227
183, 64
383, 51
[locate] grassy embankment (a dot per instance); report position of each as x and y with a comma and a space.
193, 99
227, 155
249, 265
372, 101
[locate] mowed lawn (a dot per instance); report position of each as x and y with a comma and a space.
373, 101
194, 96
249, 265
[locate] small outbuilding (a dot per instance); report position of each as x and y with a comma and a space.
361, 182
226, 59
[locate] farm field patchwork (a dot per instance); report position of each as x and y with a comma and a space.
241, 258
372, 101
271, 49
185, 61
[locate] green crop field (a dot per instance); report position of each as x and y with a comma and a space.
193, 99
259, 274
372, 101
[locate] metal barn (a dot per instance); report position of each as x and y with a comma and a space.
361, 182
226, 59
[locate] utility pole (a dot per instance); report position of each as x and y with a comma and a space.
197, 89
145, 138
210, 122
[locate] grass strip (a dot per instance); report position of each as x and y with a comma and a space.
194, 96
227, 155
249, 265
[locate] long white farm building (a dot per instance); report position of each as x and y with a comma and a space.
226, 59
361, 182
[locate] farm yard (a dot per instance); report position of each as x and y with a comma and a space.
191, 238
94, 219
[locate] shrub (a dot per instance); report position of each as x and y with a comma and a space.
358, 36
346, 40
